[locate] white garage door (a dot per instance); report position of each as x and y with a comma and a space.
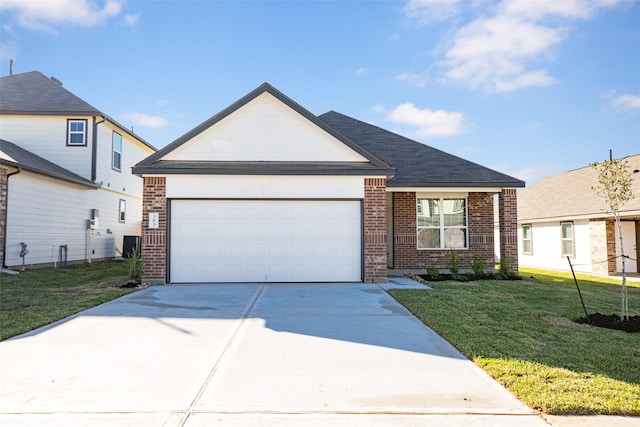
265, 241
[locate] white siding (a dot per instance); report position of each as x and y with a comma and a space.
264, 187
47, 137
547, 250
132, 152
46, 213
265, 129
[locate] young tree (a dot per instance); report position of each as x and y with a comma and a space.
614, 186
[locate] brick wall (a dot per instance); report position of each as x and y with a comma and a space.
508, 211
154, 241
375, 230
598, 246
479, 228
3, 210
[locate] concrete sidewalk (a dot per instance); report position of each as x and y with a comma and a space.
246, 355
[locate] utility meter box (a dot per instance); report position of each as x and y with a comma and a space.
94, 222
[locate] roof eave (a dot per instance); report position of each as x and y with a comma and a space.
81, 182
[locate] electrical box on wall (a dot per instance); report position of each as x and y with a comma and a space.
94, 222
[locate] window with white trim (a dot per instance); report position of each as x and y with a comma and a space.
76, 132
567, 240
117, 151
441, 223
122, 210
527, 240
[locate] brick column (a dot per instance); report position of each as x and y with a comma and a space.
154, 240
375, 230
508, 211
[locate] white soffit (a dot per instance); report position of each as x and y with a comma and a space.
265, 129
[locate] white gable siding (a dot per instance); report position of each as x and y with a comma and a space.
47, 137
547, 251
264, 187
132, 152
265, 129
45, 213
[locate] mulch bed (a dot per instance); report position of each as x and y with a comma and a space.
612, 321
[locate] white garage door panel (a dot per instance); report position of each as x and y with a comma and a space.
265, 241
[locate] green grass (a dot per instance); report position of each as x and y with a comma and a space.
522, 333
38, 297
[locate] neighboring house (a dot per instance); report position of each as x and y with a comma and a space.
66, 188
562, 216
265, 191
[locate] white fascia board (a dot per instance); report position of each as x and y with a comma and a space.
444, 190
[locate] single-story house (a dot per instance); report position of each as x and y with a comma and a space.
265, 191
562, 216
67, 193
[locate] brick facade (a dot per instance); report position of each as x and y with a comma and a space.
508, 211
375, 230
154, 241
479, 228
4, 188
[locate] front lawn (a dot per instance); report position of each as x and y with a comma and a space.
522, 333
38, 297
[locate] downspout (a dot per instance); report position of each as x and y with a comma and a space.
94, 147
4, 252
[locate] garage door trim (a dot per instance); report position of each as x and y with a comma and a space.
249, 199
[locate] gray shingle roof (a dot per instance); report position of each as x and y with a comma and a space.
569, 195
417, 165
12, 155
33, 92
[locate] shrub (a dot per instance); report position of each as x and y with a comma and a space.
478, 265
135, 263
433, 273
454, 265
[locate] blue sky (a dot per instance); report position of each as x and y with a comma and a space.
527, 87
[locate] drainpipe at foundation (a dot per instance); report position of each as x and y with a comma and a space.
4, 252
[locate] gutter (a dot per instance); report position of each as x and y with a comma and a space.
94, 147
4, 231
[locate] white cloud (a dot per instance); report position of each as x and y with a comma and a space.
162, 103
146, 120
503, 48
526, 173
429, 123
361, 71
418, 80
427, 11
131, 20
42, 15
626, 102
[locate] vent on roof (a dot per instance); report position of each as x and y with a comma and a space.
56, 81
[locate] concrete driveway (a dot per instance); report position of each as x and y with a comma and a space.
246, 355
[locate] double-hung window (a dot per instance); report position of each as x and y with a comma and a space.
441, 223
527, 240
77, 132
117, 151
567, 239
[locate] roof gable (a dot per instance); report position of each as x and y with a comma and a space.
263, 132
417, 164
264, 129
